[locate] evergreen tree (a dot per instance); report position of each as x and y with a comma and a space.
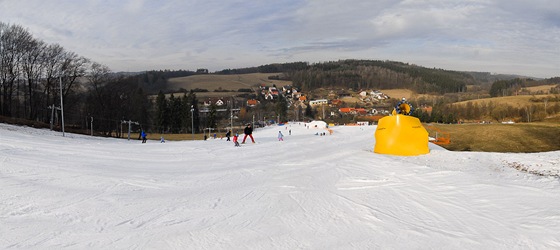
162, 111
175, 116
211, 121
186, 113
282, 108
309, 112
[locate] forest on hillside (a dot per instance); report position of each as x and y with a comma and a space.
366, 74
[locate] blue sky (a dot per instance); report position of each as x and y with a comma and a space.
498, 36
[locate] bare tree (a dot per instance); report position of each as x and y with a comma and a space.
98, 77
52, 62
11, 53
32, 68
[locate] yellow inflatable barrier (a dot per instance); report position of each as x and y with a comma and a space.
401, 135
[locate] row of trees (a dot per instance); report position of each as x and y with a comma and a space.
177, 114
268, 68
111, 100
34, 75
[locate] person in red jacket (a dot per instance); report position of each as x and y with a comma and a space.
236, 143
248, 131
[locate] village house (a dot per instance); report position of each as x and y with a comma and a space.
318, 102
336, 103
252, 102
353, 111
216, 101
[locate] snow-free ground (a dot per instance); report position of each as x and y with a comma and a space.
306, 192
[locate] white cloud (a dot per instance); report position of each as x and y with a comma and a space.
140, 34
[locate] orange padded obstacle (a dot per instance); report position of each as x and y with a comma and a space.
401, 135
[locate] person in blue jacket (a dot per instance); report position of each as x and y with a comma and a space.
143, 134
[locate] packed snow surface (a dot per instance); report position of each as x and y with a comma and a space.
306, 192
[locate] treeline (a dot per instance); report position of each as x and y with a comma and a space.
32, 72
34, 75
513, 86
268, 68
371, 74
154, 80
177, 114
506, 87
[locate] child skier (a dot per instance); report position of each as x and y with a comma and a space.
143, 134
280, 136
236, 143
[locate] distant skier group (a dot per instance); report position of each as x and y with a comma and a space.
248, 131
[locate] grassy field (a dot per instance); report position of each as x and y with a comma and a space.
543, 88
171, 137
231, 83
497, 137
406, 93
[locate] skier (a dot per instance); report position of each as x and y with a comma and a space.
404, 107
143, 134
235, 137
161, 140
280, 136
228, 134
248, 131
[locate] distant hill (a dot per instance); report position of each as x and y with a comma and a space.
367, 74
342, 74
487, 77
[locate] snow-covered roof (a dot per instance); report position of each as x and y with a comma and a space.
317, 124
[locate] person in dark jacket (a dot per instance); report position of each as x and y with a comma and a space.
228, 134
248, 131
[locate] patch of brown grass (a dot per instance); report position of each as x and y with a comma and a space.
350, 100
213, 82
521, 137
168, 137
543, 88
229, 83
514, 101
406, 93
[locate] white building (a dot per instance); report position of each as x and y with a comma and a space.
319, 102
